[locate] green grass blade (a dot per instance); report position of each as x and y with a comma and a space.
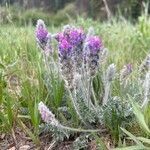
131, 136
137, 147
144, 140
140, 116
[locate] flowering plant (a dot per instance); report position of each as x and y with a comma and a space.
80, 55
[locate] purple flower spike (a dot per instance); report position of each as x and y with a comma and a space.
94, 44
43, 37
64, 47
59, 37
66, 62
76, 36
41, 31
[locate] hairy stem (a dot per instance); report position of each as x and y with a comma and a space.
82, 130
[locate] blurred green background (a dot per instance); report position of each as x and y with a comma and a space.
57, 12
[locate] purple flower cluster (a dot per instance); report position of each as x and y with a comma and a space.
92, 49
76, 36
77, 50
65, 48
41, 33
70, 47
69, 39
42, 36
94, 44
